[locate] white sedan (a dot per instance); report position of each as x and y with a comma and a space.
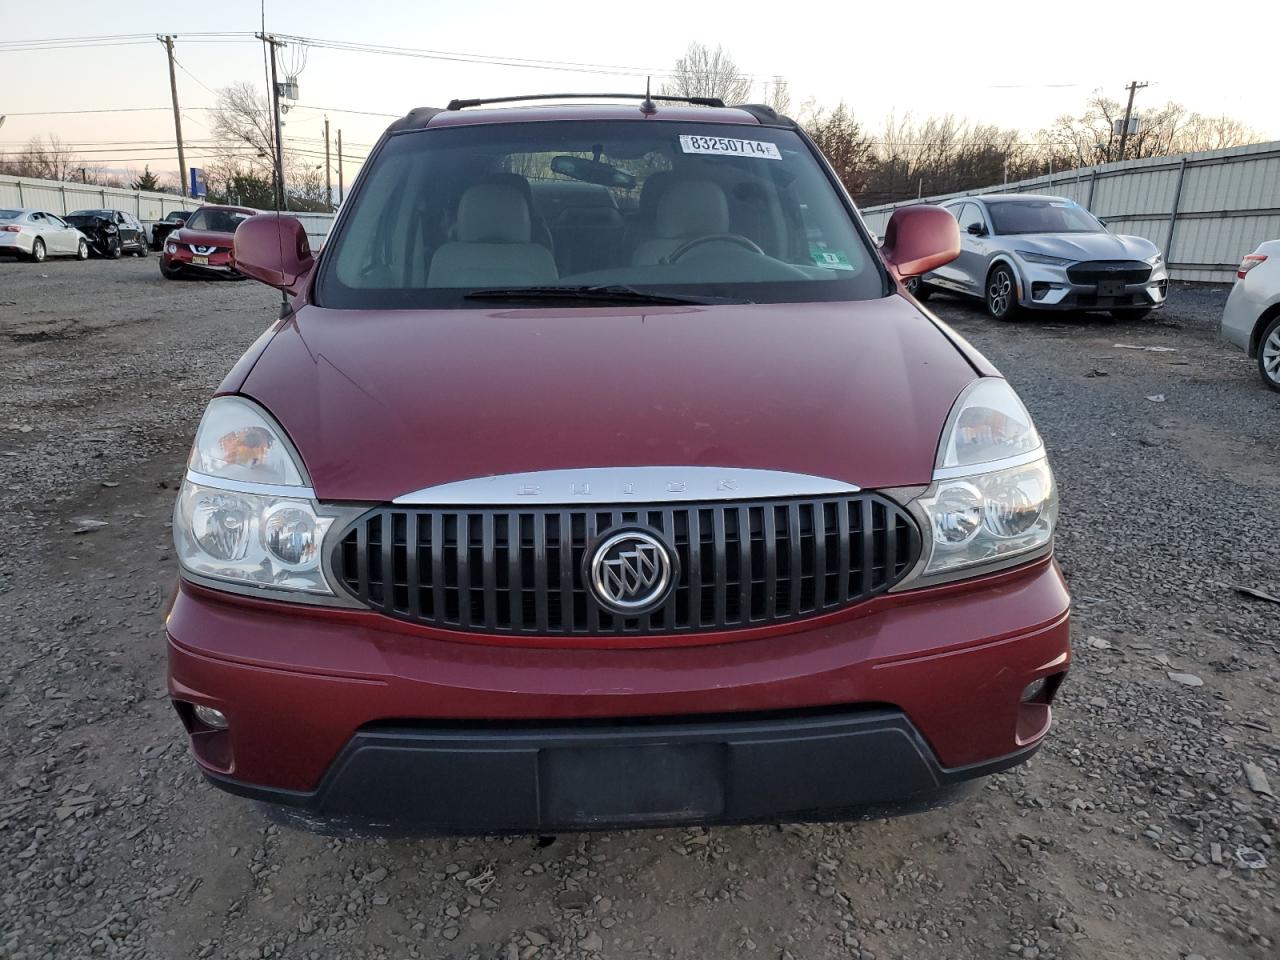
1252, 318
36, 234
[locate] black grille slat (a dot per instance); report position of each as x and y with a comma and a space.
540, 570
524, 572
1097, 271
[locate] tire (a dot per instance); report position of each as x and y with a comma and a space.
1130, 314
82, 250
1269, 355
144, 248
918, 288
168, 272
38, 251
113, 248
1001, 295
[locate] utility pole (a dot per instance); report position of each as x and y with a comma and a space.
167, 40
339, 168
328, 183
275, 108
1134, 87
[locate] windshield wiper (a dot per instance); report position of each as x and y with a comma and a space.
601, 293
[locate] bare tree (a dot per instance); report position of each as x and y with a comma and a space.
778, 95
840, 138
703, 72
44, 158
1164, 130
242, 126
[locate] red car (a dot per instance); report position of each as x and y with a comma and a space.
203, 245
602, 473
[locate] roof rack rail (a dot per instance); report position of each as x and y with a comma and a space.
766, 115
481, 101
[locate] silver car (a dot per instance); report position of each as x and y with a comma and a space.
1251, 319
36, 234
1024, 252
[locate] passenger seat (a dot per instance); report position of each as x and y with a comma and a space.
494, 246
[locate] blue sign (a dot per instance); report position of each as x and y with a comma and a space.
198, 187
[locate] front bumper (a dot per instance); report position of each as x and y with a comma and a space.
1045, 287
218, 263
574, 777
348, 715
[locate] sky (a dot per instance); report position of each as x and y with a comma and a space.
979, 61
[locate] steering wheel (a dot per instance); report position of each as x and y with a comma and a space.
735, 238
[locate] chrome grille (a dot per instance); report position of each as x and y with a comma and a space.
520, 571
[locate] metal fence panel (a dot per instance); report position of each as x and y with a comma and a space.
61, 198
1204, 210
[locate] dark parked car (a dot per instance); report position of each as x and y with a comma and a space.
202, 246
720, 527
111, 232
161, 229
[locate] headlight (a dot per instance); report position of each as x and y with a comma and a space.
237, 441
1156, 260
993, 501
246, 514
263, 541
987, 423
986, 519
171, 248
1032, 257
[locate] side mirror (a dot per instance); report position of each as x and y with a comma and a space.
977, 230
274, 250
920, 238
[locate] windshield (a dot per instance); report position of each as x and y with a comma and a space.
176, 215
1041, 216
738, 213
217, 221
92, 213
10, 214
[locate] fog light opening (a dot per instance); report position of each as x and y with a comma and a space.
1043, 689
1039, 290
211, 717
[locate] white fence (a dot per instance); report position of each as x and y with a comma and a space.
1204, 210
56, 196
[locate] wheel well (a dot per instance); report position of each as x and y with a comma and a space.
1003, 261
1255, 338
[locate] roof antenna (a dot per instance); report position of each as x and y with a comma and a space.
647, 106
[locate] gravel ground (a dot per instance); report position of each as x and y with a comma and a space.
1135, 833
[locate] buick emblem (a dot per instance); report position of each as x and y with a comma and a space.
631, 572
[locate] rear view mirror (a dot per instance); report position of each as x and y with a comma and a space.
274, 250
920, 238
977, 230
592, 171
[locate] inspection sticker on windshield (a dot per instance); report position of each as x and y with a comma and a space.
729, 146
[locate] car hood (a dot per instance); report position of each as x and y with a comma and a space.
202, 238
1085, 246
380, 404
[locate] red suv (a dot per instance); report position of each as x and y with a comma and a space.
601, 472
203, 244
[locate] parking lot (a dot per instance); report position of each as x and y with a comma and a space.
1148, 827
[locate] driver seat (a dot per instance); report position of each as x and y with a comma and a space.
687, 209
